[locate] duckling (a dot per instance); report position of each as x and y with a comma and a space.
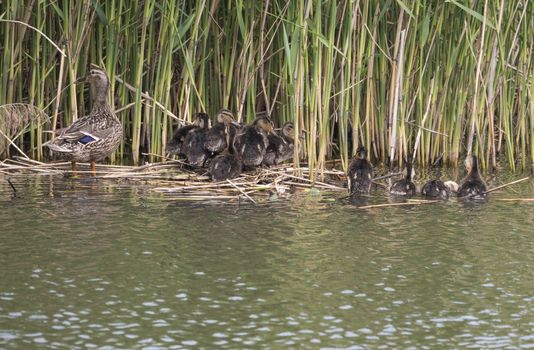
193, 146
225, 166
175, 145
404, 187
280, 147
435, 189
360, 173
276, 142
452, 185
472, 186
251, 141
216, 137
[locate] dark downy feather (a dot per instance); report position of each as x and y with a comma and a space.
435, 189
251, 142
225, 166
472, 186
360, 173
280, 147
404, 187
174, 146
193, 146
276, 146
216, 139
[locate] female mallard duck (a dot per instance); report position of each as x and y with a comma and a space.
404, 187
251, 142
225, 166
222, 133
193, 146
280, 147
360, 174
95, 136
472, 186
175, 145
436, 189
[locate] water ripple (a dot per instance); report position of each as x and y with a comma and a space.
99, 265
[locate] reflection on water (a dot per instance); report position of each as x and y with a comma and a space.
104, 264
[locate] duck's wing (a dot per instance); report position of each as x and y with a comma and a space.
78, 130
275, 143
86, 137
86, 134
96, 135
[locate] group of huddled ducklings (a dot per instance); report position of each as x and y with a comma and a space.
360, 177
227, 148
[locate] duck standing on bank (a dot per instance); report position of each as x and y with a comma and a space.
472, 186
404, 187
193, 146
281, 147
95, 136
360, 174
251, 142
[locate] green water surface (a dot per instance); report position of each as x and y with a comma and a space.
102, 264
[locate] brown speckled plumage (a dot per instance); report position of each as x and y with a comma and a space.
95, 136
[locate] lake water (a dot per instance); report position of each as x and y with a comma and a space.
102, 264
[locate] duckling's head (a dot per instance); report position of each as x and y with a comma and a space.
471, 164
202, 120
99, 84
361, 153
225, 116
288, 130
264, 123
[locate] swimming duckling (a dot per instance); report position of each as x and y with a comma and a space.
360, 173
280, 147
435, 189
223, 131
404, 187
193, 146
452, 185
225, 166
251, 142
472, 186
175, 145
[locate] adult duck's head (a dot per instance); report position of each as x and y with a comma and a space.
99, 83
201, 120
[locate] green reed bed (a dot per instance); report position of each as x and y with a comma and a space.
432, 80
